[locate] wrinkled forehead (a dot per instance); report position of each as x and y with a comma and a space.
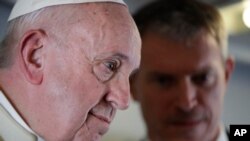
102, 28
114, 30
91, 15
107, 20
108, 14
92, 19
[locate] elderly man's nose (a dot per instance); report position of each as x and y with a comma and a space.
119, 94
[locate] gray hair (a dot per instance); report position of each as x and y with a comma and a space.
15, 29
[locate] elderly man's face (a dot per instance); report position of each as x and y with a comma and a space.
181, 87
87, 75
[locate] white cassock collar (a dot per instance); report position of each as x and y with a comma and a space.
10, 109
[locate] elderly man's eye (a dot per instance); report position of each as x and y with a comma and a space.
111, 65
106, 69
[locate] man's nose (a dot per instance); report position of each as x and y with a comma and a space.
119, 94
187, 95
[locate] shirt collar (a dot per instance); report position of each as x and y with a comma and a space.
222, 135
10, 109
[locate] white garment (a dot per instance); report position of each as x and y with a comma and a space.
13, 113
222, 136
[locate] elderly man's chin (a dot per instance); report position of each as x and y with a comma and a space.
92, 130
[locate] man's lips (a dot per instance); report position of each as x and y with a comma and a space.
187, 123
102, 118
191, 119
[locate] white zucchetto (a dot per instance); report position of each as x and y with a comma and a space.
23, 7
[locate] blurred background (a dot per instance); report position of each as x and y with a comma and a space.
128, 125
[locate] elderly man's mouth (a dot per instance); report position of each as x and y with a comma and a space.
102, 118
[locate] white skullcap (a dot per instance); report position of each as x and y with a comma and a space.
23, 7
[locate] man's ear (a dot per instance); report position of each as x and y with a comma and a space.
229, 67
132, 82
31, 49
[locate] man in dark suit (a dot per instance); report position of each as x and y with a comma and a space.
184, 71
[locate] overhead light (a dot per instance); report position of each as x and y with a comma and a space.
246, 17
246, 13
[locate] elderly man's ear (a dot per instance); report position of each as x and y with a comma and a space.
132, 81
31, 49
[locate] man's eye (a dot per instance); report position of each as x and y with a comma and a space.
106, 69
163, 81
203, 79
112, 65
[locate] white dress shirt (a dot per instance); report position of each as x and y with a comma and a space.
222, 136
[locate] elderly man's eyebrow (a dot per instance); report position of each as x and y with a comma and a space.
112, 55
126, 58
120, 55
